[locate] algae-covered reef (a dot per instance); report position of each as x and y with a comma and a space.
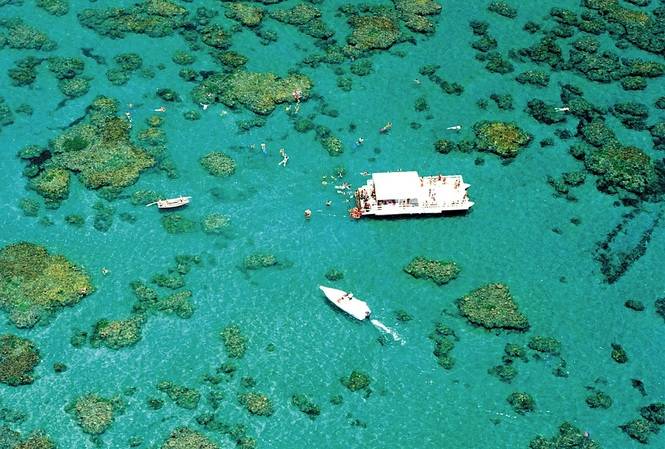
235, 342
18, 358
218, 164
186, 438
258, 92
94, 414
444, 339
34, 285
501, 138
16, 34
493, 307
569, 437
652, 418
441, 272
11, 439
256, 403
99, 151
155, 18
121, 333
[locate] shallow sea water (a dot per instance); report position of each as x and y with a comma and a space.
507, 237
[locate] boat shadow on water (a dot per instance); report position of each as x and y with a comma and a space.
448, 214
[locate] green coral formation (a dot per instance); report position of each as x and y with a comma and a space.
633, 304
652, 418
258, 92
235, 343
444, 339
493, 307
334, 274
505, 373
24, 72
503, 9
218, 164
439, 271
619, 354
659, 304
52, 184
186, 438
521, 402
183, 397
306, 17
21, 36
414, 14
54, 7
373, 32
598, 399
68, 71
259, 260
34, 285
155, 18
569, 437
29, 207
10, 439
215, 223
357, 381
177, 304
306, 405
256, 403
247, 15
501, 138
18, 359
622, 166
547, 345
98, 150
176, 223
534, 77
117, 334
94, 414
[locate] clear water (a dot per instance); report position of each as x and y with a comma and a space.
507, 237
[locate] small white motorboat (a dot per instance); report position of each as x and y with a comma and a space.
346, 301
171, 203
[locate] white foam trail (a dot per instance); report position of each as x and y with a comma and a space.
393, 333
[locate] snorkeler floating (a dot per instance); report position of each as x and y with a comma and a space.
160, 109
387, 127
285, 157
455, 128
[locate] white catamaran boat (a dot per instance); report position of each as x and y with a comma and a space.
345, 301
401, 193
171, 203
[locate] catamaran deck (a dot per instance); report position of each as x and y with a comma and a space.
400, 193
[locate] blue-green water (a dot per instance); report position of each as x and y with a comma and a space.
508, 237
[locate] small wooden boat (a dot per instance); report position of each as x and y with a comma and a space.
345, 301
171, 203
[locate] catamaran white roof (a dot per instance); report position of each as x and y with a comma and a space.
396, 185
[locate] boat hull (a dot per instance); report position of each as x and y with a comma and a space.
346, 302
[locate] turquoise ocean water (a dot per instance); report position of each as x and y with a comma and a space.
507, 237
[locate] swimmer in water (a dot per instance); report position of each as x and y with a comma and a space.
160, 109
